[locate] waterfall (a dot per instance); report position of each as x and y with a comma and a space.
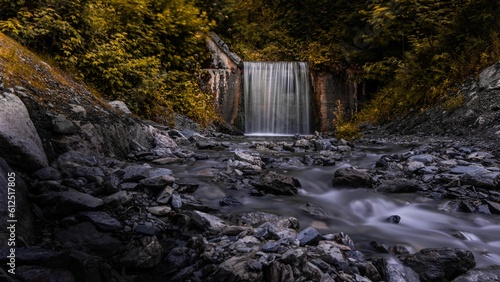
276, 97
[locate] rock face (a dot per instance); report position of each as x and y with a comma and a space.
19, 140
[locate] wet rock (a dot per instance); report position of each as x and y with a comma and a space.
244, 167
230, 201
143, 253
19, 140
423, 158
235, 269
244, 157
309, 236
398, 185
277, 184
135, 173
440, 264
488, 274
101, 220
352, 177
395, 219
254, 218
393, 270
314, 210
165, 195
176, 201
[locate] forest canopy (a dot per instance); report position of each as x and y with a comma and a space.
149, 53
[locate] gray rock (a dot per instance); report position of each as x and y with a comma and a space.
146, 229
135, 173
101, 220
423, 158
164, 141
159, 210
157, 182
120, 106
277, 184
47, 173
20, 144
71, 201
208, 222
176, 201
314, 210
235, 269
398, 185
61, 125
244, 157
489, 274
165, 195
143, 253
395, 271
78, 110
440, 264
246, 168
309, 236
352, 177
489, 78
118, 198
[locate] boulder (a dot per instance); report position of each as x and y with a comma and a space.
120, 106
440, 264
277, 184
352, 177
488, 274
489, 78
208, 222
20, 144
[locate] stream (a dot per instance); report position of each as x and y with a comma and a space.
361, 213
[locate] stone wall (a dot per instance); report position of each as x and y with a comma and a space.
328, 88
225, 81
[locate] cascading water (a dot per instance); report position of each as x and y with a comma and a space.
277, 98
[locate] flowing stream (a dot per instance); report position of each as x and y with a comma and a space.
276, 96
360, 213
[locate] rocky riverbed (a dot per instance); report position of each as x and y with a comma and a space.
219, 207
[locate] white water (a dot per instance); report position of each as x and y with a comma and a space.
276, 96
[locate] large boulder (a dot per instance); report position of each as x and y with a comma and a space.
20, 144
278, 184
440, 264
352, 177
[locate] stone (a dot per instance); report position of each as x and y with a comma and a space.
423, 158
246, 168
244, 157
159, 210
47, 173
309, 236
165, 195
120, 106
68, 202
135, 173
314, 210
235, 269
398, 185
440, 264
146, 229
101, 220
164, 141
395, 219
78, 110
208, 222
393, 270
84, 236
352, 177
143, 253
277, 184
157, 182
230, 201
488, 274
61, 125
20, 144
38, 273
118, 198
489, 78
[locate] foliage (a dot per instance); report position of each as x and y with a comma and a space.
344, 128
131, 50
